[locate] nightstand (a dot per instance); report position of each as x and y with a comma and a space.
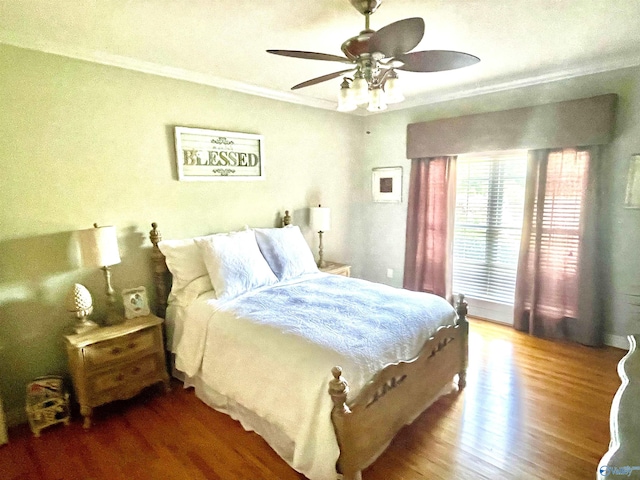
337, 269
116, 362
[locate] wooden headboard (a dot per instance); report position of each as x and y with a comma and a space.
161, 274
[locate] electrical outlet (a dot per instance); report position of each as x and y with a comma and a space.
389, 272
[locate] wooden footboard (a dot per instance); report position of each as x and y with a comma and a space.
366, 425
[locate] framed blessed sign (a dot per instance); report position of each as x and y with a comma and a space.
205, 155
386, 184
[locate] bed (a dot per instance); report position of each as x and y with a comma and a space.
270, 346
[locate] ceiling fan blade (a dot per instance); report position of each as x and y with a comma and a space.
310, 55
321, 79
398, 37
435, 61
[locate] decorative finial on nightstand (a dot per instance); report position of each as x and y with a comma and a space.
286, 220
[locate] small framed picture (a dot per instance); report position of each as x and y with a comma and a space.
135, 302
386, 184
632, 198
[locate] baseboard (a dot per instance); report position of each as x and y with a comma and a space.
618, 341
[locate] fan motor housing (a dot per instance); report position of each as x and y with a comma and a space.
366, 7
358, 45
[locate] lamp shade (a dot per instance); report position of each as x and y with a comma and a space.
320, 219
98, 246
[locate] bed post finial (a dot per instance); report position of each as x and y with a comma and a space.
159, 270
462, 306
154, 235
338, 389
463, 323
286, 220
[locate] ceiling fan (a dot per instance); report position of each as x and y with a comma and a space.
375, 56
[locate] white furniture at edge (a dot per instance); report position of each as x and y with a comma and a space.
623, 458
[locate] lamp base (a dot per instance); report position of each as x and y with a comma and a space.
113, 317
321, 263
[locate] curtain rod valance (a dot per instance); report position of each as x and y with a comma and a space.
587, 121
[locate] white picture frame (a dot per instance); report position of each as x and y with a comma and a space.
135, 302
386, 184
216, 155
632, 196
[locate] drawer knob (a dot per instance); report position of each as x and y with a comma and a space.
116, 350
132, 345
120, 377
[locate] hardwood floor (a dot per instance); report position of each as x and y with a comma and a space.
532, 409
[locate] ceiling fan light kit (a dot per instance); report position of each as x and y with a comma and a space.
375, 56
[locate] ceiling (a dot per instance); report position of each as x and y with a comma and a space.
223, 42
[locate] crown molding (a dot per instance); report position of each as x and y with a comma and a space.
103, 58
151, 68
617, 63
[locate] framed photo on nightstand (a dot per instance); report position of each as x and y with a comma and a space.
135, 302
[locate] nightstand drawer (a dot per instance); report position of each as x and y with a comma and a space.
130, 375
120, 349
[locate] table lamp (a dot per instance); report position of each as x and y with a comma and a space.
99, 248
320, 221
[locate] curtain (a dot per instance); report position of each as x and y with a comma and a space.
555, 293
428, 254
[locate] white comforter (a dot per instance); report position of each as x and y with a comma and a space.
271, 350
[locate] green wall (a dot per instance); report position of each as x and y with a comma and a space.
84, 143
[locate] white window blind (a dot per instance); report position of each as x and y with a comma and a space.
488, 222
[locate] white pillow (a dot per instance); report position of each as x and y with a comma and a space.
193, 290
234, 263
184, 261
286, 251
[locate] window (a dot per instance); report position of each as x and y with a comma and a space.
489, 209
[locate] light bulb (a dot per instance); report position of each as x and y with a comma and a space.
376, 100
360, 89
392, 90
346, 102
